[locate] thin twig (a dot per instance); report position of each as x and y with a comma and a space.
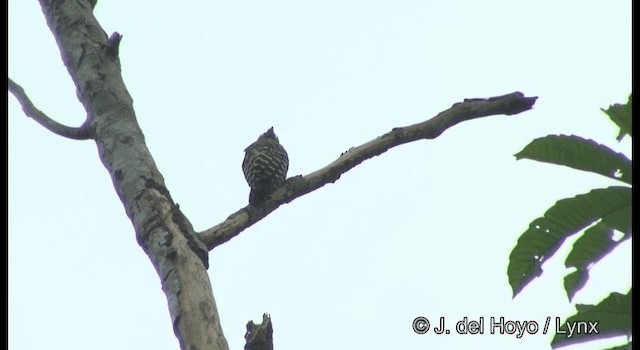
34, 113
297, 186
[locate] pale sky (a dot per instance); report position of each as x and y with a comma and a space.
425, 229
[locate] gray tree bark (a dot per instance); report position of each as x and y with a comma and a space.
178, 253
161, 229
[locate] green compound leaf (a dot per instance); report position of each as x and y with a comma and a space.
596, 243
578, 153
610, 318
565, 218
621, 115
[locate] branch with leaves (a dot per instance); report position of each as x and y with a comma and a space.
602, 214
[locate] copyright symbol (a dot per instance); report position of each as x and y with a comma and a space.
421, 325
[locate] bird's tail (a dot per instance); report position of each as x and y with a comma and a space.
257, 197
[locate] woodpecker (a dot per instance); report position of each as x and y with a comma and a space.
264, 166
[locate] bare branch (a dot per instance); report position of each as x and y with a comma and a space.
297, 186
81, 133
113, 43
260, 336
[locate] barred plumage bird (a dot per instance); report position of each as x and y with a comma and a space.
265, 166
